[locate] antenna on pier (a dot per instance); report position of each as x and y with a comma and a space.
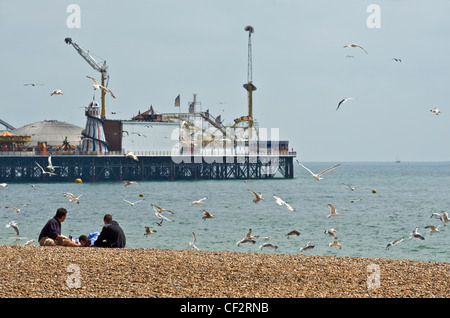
249, 85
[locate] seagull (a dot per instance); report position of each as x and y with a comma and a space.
308, 246
14, 226
56, 92
15, 209
246, 240
415, 234
207, 215
394, 242
332, 211
356, 45
32, 84
350, 187
148, 231
332, 232
131, 155
257, 195
3, 185
97, 85
127, 183
445, 218
132, 203
433, 229
198, 201
343, 101
396, 59
46, 172
250, 236
159, 216
335, 243
317, 176
50, 166
270, 245
279, 201
353, 200
192, 244
435, 110
72, 198
293, 232
159, 209
28, 242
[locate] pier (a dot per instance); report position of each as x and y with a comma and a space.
93, 168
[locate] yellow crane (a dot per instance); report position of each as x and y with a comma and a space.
100, 67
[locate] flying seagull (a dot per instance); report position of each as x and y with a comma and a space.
356, 45
148, 231
350, 187
162, 217
335, 243
257, 195
293, 232
394, 242
343, 101
72, 198
192, 244
207, 215
14, 226
198, 201
131, 155
15, 209
132, 203
308, 246
270, 245
435, 110
32, 84
46, 172
50, 166
127, 183
318, 175
159, 209
246, 240
332, 211
56, 92
416, 234
279, 201
396, 59
332, 232
97, 85
433, 229
250, 236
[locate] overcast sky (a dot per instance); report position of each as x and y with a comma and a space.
156, 50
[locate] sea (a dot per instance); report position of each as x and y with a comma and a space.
389, 201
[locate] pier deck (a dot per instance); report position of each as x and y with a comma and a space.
91, 168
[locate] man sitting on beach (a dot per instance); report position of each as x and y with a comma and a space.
51, 232
111, 235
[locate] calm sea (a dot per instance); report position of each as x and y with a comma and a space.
406, 194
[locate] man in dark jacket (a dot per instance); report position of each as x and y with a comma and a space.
111, 235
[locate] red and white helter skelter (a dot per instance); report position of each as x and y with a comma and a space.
93, 135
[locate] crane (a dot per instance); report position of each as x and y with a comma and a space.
249, 85
102, 68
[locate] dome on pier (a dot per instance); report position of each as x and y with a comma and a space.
52, 132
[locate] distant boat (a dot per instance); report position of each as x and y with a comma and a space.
397, 160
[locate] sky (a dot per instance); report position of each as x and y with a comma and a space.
157, 50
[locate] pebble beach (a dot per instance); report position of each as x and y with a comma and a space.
62, 272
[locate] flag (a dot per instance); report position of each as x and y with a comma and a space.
177, 101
